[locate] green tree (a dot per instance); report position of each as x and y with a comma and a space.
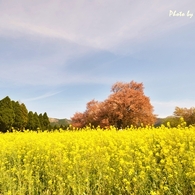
31, 122
24, 114
173, 121
46, 122
55, 127
21, 115
41, 121
6, 114
36, 121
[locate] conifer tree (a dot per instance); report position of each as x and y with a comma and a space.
21, 115
31, 122
36, 121
24, 115
6, 114
46, 122
41, 121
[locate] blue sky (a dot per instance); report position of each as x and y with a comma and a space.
57, 55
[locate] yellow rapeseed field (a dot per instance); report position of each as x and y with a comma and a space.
136, 161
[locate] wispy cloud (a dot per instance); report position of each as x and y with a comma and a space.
104, 25
52, 45
46, 95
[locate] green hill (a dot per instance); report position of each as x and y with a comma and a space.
54, 122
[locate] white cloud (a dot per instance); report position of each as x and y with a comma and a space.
80, 27
105, 25
46, 34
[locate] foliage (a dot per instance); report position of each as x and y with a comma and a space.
187, 114
6, 114
15, 114
21, 115
41, 121
173, 121
36, 121
127, 105
139, 161
45, 121
31, 121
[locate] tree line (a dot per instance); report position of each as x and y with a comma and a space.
14, 114
126, 105
187, 114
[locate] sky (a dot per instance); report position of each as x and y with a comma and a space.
57, 55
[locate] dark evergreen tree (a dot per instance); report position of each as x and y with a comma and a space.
24, 115
36, 122
21, 115
46, 122
41, 121
15, 114
55, 127
18, 115
31, 122
6, 114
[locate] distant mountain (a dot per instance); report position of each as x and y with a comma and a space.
53, 120
59, 122
158, 122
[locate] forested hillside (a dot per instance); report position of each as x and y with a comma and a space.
59, 123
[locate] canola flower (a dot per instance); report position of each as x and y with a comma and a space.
134, 161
